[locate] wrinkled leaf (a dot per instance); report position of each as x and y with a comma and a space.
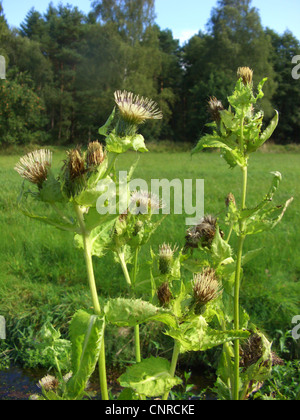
131, 312
86, 332
150, 378
197, 336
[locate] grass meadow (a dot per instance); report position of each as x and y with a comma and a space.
43, 277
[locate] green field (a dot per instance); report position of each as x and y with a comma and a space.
43, 276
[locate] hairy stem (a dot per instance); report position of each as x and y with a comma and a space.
92, 284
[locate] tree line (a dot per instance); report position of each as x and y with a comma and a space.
64, 66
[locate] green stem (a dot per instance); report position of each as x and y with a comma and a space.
124, 267
242, 236
175, 356
137, 327
237, 318
130, 284
135, 266
137, 344
92, 284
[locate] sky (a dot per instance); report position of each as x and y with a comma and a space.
184, 17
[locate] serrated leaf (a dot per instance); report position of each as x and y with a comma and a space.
150, 378
197, 336
51, 190
100, 237
266, 219
266, 134
130, 312
232, 156
86, 333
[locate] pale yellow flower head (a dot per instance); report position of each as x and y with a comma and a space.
35, 166
135, 109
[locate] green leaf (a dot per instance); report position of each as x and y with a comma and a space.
250, 255
86, 332
150, 378
221, 250
51, 190
266, 219
104, 129
197, 336
267, 133
232, 156
131, 312
119, 145
100, 238
52, 221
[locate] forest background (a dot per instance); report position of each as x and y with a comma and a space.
63, 67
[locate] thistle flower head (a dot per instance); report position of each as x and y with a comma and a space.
143, 202
48, 383
135, 109
246, 74
203, 233
164, 294
166, 254
35, 166
214, 108
75, 163
95, 154
206, 287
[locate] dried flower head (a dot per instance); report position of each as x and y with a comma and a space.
48, 383
252, 351
95, 154
246, 74
164, 294
135, 109
143, 202
214, 108
35, 166
75, 163
203, 233
166, 254
206, 287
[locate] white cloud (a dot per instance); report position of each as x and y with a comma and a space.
185, 34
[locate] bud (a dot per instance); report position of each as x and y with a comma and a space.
246, 74
166, 254
74, 172
75, 164
35, 166
230, 199
206, 287
95, 154
214, 108
203, 233
164, 294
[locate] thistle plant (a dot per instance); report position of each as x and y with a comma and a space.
194, 290
238, 133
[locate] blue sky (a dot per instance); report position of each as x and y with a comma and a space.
183, 17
